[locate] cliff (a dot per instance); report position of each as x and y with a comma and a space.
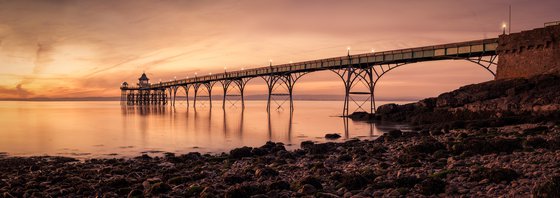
495, 103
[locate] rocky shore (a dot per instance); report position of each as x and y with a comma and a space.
493, 103
500, 138
518, 160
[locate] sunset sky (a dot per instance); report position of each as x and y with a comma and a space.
69, 49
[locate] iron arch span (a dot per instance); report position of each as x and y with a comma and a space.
366, 69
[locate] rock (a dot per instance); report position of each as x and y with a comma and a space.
117, 182
279, 185
550, 188
326, 195
534, 130
436, 132
311, 181
272, 147
432, 186
178, 180
407, 181
306, 144
354, 181
307, 189
535, 142
245, 190
332, 136
495, 175
159, 188
241, 152
394, 133
234, 179
194, 190
426, 146
360, 115
487, 145
135, 194
207, 192
266, 172
317, 149
192, 156
7, 195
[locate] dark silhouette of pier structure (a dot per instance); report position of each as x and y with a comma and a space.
359, 69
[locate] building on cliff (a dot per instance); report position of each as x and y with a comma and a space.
529, 53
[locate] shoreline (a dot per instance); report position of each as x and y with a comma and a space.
490, 161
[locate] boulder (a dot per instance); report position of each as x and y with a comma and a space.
332, 136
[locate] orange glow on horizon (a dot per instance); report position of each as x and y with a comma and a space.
59, 49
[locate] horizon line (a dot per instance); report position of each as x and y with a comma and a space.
216, 97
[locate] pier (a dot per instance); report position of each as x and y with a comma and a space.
353, 69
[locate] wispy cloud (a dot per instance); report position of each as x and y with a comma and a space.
86, 48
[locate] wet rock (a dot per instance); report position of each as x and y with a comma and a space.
344, 158
307, 189
316, 149
432, 186
332, 136
272, 147
495, 175
407, 181
443, 174
245, 190
359, 115
194, 190
535, 142
326, 195
553, 143
279, 185
7, 195
440, 154
534, 130
484, 146
306, 144
550, 188
208, 192
135, 194
143, 157
117, 182
235, 179
241, 152
436, 132
354, 181
159, 188
426, 146
178, 180
192, 156
394, 134
259, 152
315, 182
266, 172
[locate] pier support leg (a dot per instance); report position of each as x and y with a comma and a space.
208, 86
196, 86
286, 81
225, 86
229, 85
353, 75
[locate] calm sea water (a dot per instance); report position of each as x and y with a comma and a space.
106, 129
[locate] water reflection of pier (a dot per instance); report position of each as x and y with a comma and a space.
144, 110
279, 124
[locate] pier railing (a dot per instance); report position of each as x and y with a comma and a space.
436, 52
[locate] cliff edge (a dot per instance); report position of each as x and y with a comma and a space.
493, 103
